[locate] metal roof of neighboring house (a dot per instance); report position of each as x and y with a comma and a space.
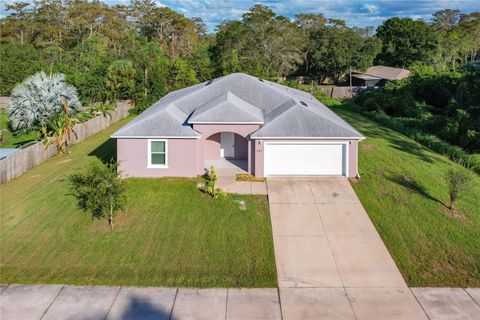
365, 76
389, 73
239, 98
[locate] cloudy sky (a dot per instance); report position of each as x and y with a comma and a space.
356, 12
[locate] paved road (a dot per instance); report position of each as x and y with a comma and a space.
332, 264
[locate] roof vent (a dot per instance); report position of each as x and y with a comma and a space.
303, 102
261, 80
209, 82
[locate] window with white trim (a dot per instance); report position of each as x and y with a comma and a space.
157, 150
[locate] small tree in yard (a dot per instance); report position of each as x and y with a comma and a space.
210, 179
457, 181
99, 191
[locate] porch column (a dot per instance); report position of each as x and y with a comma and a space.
249, 160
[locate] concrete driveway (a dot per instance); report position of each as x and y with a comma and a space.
331, 262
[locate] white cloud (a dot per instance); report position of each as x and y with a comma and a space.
371, 8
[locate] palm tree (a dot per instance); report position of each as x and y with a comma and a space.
58, 129
38, 98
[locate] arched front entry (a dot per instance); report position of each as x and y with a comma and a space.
225, 145
210, 144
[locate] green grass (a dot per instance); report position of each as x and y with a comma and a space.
9, 139
402, 187
171, 234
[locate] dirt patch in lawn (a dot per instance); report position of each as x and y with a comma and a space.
454, 213
120, 222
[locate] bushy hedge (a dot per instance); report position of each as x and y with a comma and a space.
409, 127
445, 103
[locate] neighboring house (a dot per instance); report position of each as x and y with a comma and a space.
377, 76
277, 131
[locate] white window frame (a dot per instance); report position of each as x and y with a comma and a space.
158, 166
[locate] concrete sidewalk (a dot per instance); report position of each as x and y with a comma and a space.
332, 263
37, 302
114, 303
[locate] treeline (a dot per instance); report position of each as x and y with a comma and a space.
142, 51
138, 51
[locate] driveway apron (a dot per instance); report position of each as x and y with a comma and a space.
331, 262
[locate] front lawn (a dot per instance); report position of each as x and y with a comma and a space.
170, 235
402, 187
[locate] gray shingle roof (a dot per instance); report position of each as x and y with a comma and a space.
287, 105
301, 122
164, 121
239, 98
227, 108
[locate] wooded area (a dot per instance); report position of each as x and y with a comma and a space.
142, 51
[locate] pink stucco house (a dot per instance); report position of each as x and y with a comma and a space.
276, 130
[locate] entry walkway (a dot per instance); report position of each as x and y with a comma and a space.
226, 172
331, 262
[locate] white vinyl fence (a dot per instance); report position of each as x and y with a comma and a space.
20, 161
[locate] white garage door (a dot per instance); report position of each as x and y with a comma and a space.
308, 158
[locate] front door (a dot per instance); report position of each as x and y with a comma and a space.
227, 145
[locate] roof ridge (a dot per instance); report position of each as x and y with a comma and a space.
281, 109
174, 112
266, 83
208, 104
153, 113
208, 83
272, 121
252, 108
233, 101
